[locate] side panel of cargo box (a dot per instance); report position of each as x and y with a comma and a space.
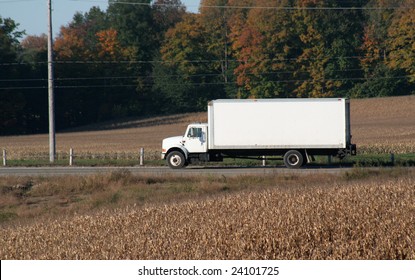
278, 124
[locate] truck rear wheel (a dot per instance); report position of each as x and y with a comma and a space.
293, 159
176, 160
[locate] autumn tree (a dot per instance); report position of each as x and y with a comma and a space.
374, 45
90, 65
108, 46
71, 44
401, 41
166, 14
35, 43
264, 46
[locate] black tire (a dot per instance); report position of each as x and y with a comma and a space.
176, 160
293, 159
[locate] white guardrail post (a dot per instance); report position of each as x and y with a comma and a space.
4, 157
141, 156
71, 156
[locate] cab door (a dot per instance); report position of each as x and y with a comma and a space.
195, 139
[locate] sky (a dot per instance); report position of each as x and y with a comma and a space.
32, 14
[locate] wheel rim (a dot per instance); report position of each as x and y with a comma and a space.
175, 160
293, 159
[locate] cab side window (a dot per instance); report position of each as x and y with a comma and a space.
195, 132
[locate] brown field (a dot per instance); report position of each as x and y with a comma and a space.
113, 138
379, 125
384, 125
360, 215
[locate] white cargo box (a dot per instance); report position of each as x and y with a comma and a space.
279, 124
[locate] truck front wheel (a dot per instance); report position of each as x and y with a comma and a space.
293, 159
176, 160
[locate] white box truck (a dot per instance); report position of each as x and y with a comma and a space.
296, 129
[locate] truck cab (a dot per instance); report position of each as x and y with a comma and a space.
180, 150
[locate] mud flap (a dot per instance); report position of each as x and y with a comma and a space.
310, 158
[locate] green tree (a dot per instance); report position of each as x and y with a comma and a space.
329, 39
384, 81
189, 61
33, 56
378, 79
9, 39
133, 23
13, 103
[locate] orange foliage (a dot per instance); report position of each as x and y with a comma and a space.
71, 44
38, 43
108, 45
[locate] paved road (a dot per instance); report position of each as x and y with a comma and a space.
160, 171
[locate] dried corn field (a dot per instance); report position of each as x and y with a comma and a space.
343, 218
379, 125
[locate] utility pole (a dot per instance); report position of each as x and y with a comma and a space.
225, 39
52, 138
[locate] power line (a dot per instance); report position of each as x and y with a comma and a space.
96, 86
300, 80
296, 59
259, 7
21, 88
17, 1
219, 74
166, 76
215, 83
22, 80
108, 77
67, 87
